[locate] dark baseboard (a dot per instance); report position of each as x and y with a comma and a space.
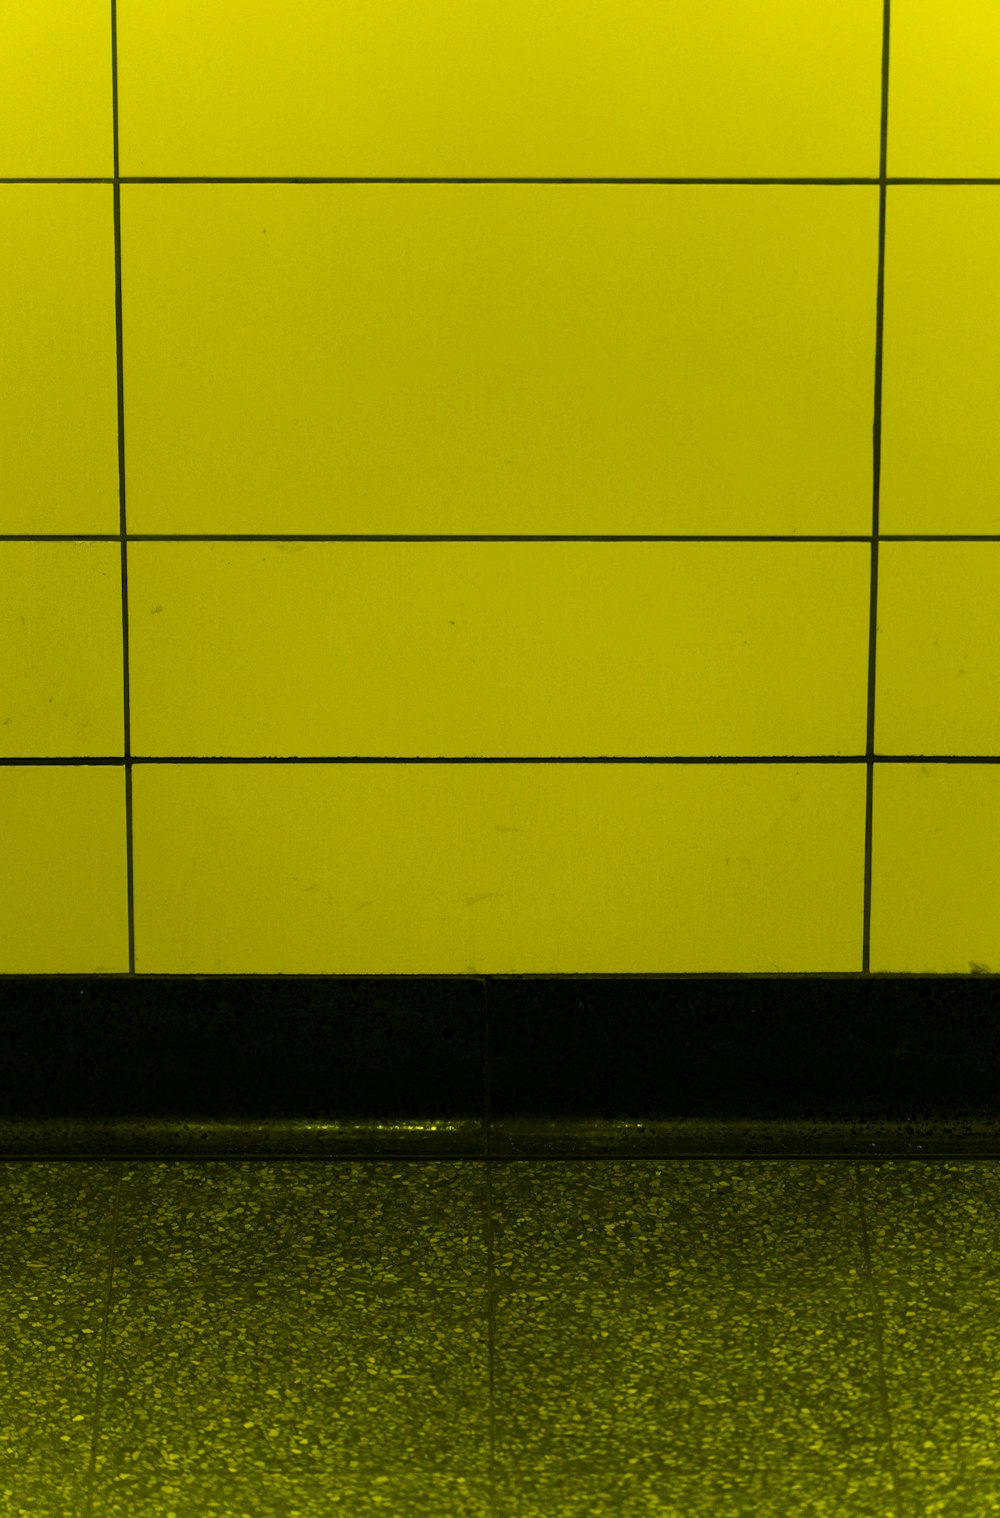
499, 1067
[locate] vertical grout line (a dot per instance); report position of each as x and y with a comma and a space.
122, 526
876, 484
877, 1339
490, 1269
102, 1358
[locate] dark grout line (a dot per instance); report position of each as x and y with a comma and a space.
877, 1329
427, 537
127, 742
491, 1281
99, 976
82, 760
833, 180
876, 488
123, 525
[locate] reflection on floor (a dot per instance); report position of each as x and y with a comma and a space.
499, 1339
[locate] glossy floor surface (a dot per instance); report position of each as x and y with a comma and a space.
499, 1339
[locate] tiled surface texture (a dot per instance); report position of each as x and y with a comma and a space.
507, 1340
499, 489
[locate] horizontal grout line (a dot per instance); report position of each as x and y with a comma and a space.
425, 537
499, 975
503, 759
483, 179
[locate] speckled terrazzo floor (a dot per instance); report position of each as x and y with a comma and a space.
529, 1339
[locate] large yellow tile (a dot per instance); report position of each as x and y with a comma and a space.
387, 87
55, 88
935, 885
938, 650
498, 648
61, 689
499, 358
58, 375
944, 67
63, 901
497, 868
941, 360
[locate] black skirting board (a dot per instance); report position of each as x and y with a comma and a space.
499, 1067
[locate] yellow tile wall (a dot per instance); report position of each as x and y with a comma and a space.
366, 535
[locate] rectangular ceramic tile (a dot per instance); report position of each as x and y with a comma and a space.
941, 360
59, 416
684, 1339
467, 359
55, 88
297, 1339
63, 907
935, 887
498, 648
61, 691
383, 87
485, 869
943, 72
938, 649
